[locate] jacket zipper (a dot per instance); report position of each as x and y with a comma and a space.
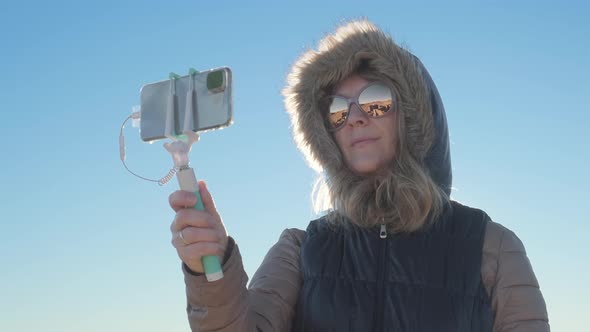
383, 232
381, 277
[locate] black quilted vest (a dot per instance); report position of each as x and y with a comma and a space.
354, 280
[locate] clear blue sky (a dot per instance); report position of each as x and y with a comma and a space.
85, 246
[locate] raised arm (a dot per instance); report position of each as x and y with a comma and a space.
267, 305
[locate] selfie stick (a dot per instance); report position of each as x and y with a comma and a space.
179, 149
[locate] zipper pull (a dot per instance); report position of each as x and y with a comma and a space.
383, 232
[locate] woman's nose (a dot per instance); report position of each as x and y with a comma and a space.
356, 117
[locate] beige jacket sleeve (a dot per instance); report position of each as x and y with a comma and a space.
517, 302
269, 302
267, 305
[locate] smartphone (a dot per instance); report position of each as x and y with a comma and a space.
165, 103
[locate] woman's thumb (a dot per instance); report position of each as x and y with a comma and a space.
207, 199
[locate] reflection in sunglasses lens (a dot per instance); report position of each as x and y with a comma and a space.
376, 100
338, 111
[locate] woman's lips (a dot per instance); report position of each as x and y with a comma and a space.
362, 141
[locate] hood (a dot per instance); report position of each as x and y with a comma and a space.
338, 56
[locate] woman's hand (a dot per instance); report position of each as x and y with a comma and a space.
197, 233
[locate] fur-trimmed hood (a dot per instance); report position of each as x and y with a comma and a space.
337, 57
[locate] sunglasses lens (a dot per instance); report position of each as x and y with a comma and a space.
376, 100
338, 112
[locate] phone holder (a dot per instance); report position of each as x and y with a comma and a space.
190, 106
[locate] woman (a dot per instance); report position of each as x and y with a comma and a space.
394, 253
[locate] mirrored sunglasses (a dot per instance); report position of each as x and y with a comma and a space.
375, 100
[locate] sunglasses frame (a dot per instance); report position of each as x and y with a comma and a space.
355, 101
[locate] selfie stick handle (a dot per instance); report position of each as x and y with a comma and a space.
188, 181
179, 149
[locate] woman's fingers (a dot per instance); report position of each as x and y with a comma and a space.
191, 217
190, 235
182, 199
191, 255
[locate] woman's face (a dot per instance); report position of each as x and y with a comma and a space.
367, 143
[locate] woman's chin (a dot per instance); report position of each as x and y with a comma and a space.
367, 169
370, 167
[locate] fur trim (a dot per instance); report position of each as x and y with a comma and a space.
338, 56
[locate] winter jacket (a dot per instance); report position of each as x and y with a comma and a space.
269, 302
